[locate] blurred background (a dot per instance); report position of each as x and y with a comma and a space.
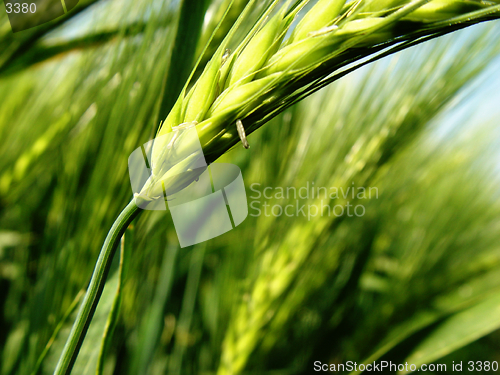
414, 279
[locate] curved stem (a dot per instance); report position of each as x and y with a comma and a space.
89, 304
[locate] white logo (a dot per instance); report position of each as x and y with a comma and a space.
205, 201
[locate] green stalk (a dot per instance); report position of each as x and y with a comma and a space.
89, 304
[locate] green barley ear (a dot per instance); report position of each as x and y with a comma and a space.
225, 70
321, 15
203, 92
262, 45
309, 51
235, 97
297, 56
373, 6
173, 119
262, 75
442, 9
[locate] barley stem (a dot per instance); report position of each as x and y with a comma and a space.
96, 286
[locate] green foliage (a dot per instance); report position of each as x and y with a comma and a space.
415, 279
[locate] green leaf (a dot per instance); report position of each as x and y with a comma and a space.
457, 331
61, 324
87, 360
125, 249
152, 326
